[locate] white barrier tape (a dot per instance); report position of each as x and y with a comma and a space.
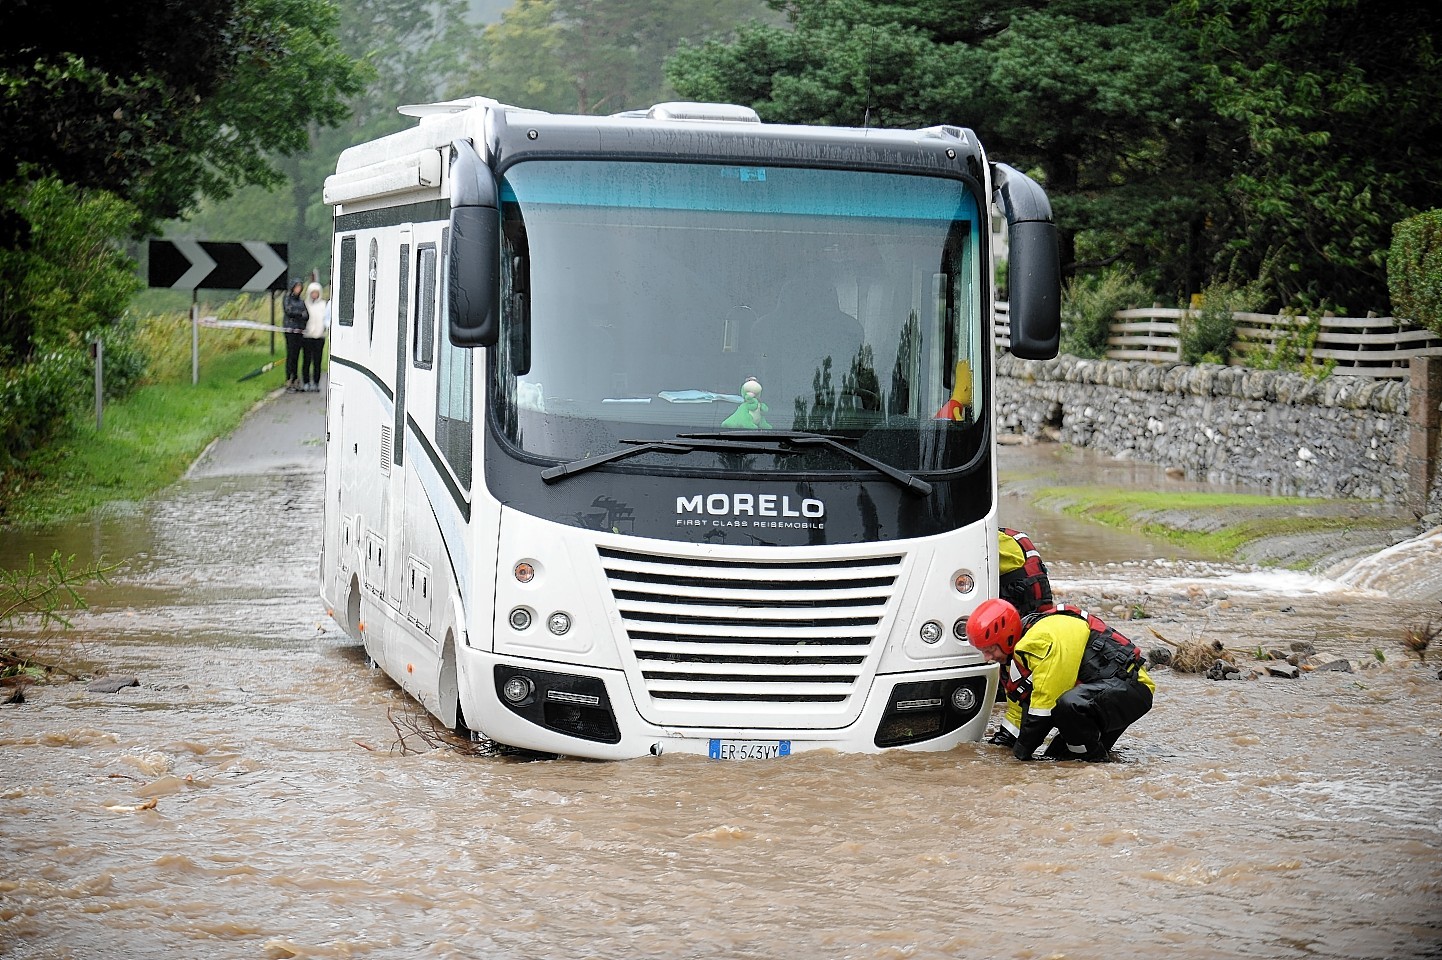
242, 324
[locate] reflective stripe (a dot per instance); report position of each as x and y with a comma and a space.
1011, 728
1075, 749
1040, 713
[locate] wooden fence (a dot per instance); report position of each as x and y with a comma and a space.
1359, 346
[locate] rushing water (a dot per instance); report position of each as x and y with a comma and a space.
249, 799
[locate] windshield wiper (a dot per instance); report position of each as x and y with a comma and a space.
563, 470
913, 484
742, 441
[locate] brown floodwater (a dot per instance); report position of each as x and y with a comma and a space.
250, 798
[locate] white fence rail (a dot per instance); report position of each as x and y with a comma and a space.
1359, 346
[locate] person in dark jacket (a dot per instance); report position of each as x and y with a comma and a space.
295, 318
1068, 671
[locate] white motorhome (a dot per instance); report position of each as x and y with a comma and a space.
672, 430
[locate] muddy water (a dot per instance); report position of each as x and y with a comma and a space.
247, 799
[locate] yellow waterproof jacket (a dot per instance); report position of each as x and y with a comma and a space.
1052, 650
1012, 557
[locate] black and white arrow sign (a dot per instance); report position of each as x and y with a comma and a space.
195, 264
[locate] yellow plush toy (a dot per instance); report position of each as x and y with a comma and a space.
961, 393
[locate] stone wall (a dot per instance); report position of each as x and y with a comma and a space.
1337, 437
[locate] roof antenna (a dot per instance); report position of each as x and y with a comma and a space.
866, 120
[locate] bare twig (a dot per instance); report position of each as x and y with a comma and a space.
1197, 655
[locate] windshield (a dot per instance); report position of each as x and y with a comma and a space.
646, 300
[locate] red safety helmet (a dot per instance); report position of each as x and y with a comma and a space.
995, 623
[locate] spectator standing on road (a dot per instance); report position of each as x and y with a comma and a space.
1069, 672
313, 341
293, 322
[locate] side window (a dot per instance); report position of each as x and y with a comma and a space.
423, 337
372, 274
345, 299
402, 303
455, 397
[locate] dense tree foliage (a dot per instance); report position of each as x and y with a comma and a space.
115, 117
1341, 102
406, 49
162, 101
1092, 96
560, 55
1212, 140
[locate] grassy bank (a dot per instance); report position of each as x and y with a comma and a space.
1229, 526
149, 439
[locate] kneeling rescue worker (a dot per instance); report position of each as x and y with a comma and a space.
1066, 670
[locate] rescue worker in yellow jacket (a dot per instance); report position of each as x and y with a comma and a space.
1066, 671
1026, 586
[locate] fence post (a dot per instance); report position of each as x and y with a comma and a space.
97, 350
194, 340
1424, 424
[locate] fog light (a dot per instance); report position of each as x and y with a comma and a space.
931, 631
964, 582
517, 689
963, 699
520, 618
559, 623
958, 629
524, 572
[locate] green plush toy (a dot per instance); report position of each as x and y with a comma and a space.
751, 415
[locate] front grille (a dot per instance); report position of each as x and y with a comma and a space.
740, 641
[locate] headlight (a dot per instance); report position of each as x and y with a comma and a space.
517, 689
931, 631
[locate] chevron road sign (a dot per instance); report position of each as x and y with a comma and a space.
195, 264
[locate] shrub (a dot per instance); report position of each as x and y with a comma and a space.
1207, 334
72, 274
125, 361
37, 398
1292, 348
1414, 269
1088, 304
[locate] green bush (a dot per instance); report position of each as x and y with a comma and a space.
1293, 347
1087, 306
72, 274
65, 285
37, 398
1207, 334
1414, 270
125, 361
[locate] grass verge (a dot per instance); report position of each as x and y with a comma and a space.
147, 441
1218, 525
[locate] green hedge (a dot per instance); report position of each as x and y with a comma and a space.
1414, 270
37, 399
40, 397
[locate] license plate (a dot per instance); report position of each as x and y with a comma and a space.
750, 749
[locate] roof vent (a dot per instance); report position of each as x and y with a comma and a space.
945, 131
681, 110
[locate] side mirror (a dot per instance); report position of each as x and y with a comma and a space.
1033, 266
472, 275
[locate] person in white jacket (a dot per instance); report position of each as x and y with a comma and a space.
313, 339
